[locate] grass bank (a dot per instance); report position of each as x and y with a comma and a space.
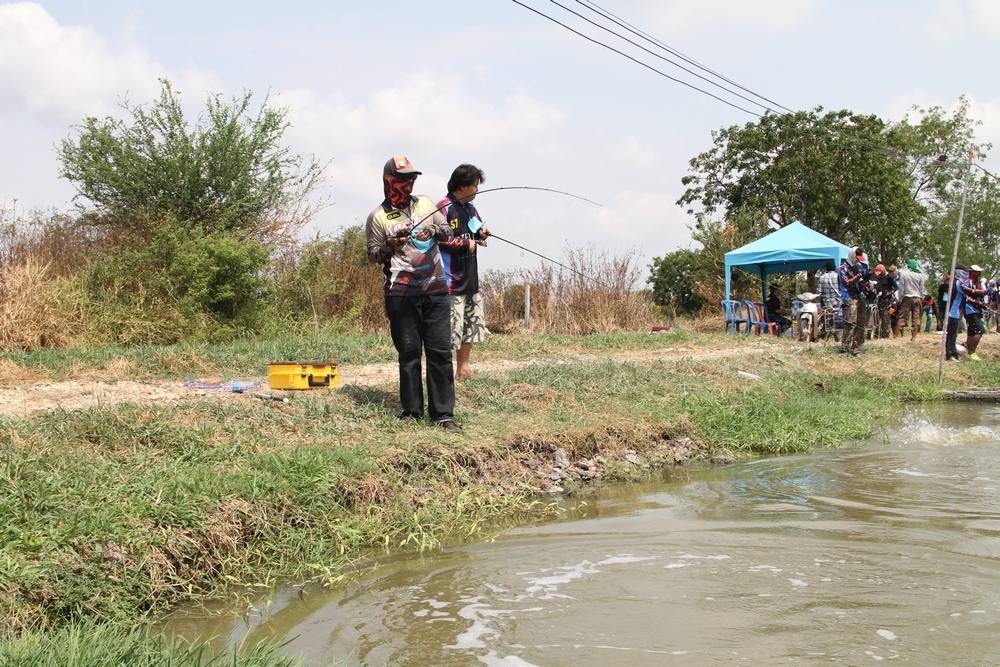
114, 514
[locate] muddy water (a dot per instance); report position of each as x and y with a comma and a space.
889, 550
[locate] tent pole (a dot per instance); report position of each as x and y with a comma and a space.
763, 285
729, 276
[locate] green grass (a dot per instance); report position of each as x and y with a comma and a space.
92, 644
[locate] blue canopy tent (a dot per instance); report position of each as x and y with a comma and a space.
794, 247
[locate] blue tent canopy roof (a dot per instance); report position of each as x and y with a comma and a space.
794, 247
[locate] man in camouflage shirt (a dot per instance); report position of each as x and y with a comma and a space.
404, 233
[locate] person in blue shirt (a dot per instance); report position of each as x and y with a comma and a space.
966, 301
469, 235
843, 275
857, 280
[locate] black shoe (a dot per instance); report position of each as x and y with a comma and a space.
408, 415
449, 425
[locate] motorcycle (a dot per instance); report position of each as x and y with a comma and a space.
810, 322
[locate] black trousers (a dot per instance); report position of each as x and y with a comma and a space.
951, 342
423, 323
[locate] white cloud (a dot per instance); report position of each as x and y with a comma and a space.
434, 110
946, 22
72, 71
633, 153
646, 218
987, 17
431, 115
949, 21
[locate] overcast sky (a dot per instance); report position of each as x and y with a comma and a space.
490, 83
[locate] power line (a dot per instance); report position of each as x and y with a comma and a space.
895, 152
635, 60
664, 58
986, 171
594, 7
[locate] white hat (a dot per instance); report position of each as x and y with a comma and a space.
976, 268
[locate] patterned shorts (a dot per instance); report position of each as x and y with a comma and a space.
468, 321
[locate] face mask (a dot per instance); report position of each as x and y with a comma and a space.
398, 190
475, 224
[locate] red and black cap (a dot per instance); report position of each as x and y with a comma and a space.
400, 165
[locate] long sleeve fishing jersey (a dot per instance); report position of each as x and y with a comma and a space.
461, 266
408, 270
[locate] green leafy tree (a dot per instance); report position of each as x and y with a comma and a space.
937, 144
980, 242
843, 174
675, 278
227, 172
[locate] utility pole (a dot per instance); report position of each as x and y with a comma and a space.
954, 263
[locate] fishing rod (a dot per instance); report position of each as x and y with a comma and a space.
407, 232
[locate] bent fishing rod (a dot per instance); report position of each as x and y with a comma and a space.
517, 245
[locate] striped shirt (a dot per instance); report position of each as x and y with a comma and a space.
829, 289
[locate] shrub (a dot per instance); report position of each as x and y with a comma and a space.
675, 280
329, 282
57, 240
183, 283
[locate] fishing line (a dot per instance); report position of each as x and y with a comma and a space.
557, 263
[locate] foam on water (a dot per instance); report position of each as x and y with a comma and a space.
545, 587
924, 431
493, 660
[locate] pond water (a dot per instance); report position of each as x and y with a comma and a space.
886, 550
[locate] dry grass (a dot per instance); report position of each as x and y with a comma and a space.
13, 373
58, 240
709, 321
32, 315
601, 294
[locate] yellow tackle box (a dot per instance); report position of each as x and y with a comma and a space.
302, 375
